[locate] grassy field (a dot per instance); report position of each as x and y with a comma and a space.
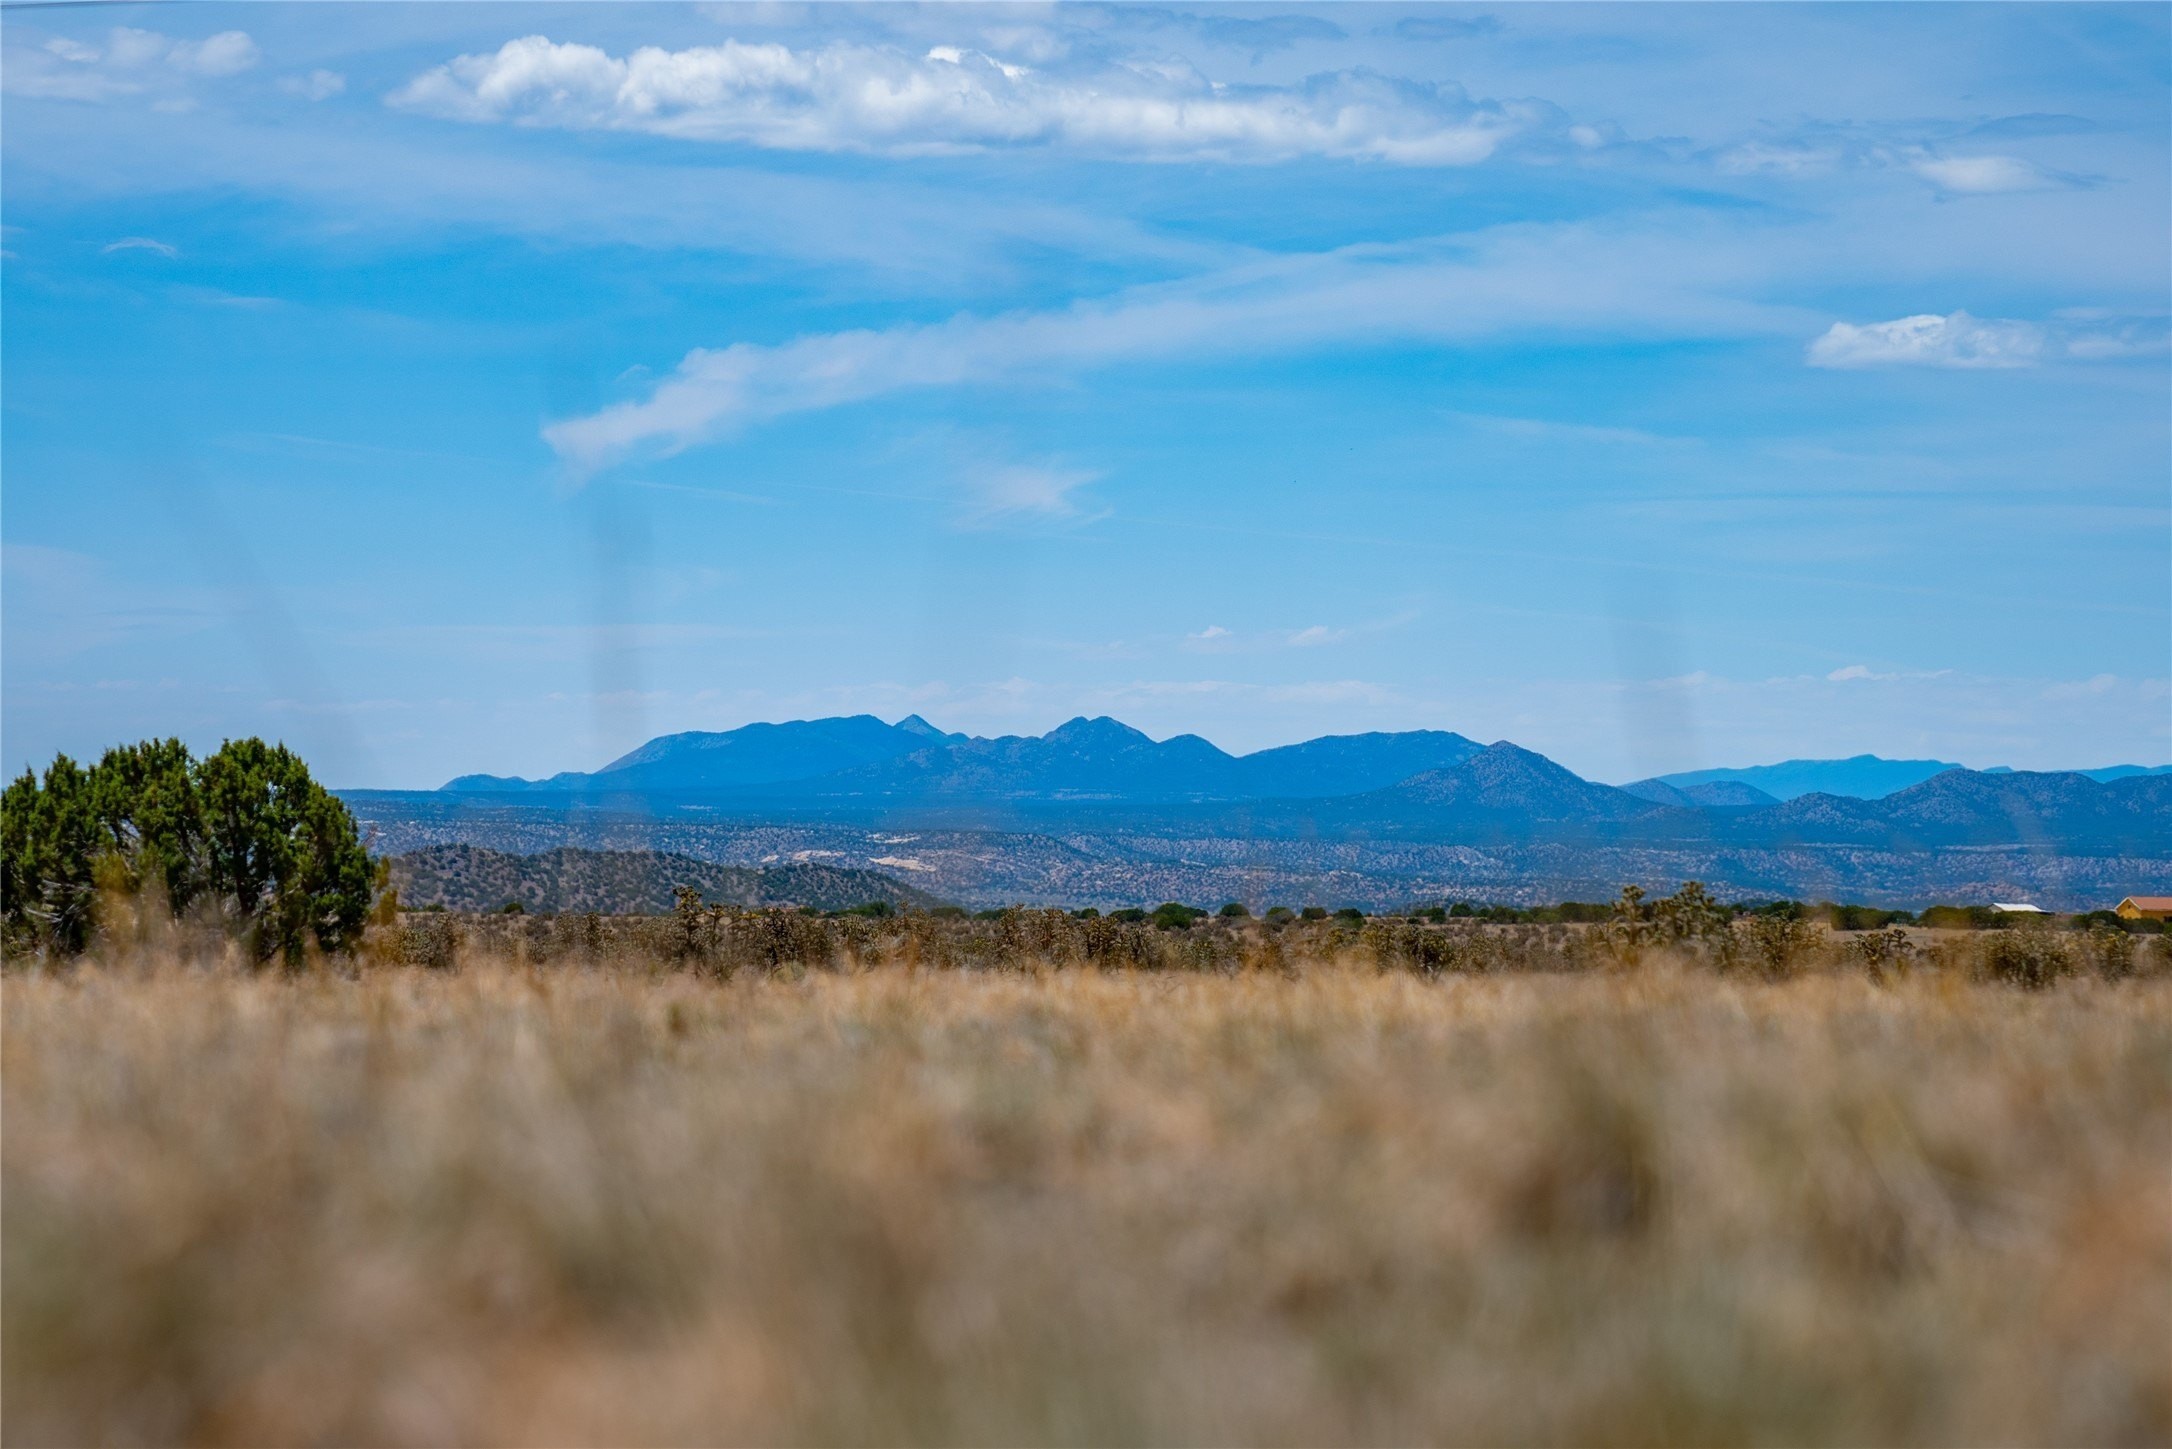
1323, 1203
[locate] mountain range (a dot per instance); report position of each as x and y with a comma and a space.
1095, 812
1102, 776
859, 756
1866, 777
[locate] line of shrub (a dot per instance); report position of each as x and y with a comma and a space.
1682, 930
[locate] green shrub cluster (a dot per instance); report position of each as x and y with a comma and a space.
243, 839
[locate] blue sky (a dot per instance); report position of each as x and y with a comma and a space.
454, 388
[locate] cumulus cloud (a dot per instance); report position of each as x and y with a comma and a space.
1315, 636
140, 244
854, 97
128, 62
1959, 340
230, 52
1515, 281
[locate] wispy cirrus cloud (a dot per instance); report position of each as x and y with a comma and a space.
1988, 175
140, 244
1946, 157
848, 96
1215, 639
1514, 281
1958, 340
1442, 27
318, 85
1019, 491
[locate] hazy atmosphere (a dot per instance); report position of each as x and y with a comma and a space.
445, 389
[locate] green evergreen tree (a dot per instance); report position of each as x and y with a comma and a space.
247, 832
50, 835
281, 851
145, 801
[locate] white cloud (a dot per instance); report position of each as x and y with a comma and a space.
140, 244
850, 97
1212, 631
1023, 490
1958, 340
318, 85
1550, 430
2095, 684
1826, 149
1753, 158
230, 52
130, 62
1315, 636
1985, 175
1523, 280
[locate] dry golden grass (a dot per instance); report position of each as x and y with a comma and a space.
605, 1204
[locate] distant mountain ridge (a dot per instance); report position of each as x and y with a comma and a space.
753, 755
1097, 811
1863, 777
860, 757
861, 762
1703, 794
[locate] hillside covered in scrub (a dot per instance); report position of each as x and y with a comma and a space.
627, 882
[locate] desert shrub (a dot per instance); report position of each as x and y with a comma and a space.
1859, 918
2107, 951
1628, 930
1174, 916
2156, 957
1775, 945
1690, 917
430, 939
1409, 947
2032, 959
1882, 952
1965, 918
